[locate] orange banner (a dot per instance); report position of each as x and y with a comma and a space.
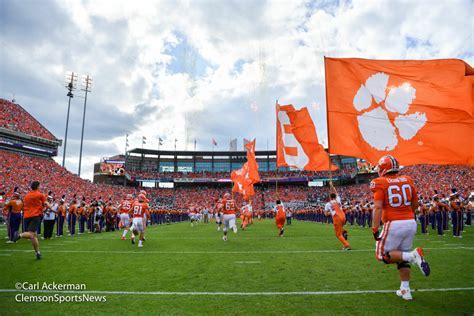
421, 112
297, 141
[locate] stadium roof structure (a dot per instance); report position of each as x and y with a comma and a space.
145, 151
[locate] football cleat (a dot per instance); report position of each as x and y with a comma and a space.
405, 294
133, 240
140, 245
38, 256
234, 229
224, 238
346, 248
123, 238
419, 260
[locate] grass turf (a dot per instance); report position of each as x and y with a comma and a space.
179, 258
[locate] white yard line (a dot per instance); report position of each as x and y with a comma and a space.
247, 262
459, 289
144, 251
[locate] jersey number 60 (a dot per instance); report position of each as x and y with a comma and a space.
399, 195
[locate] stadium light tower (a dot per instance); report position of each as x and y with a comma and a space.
86, 86
71, 83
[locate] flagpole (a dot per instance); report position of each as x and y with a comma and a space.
327, 120
276, 148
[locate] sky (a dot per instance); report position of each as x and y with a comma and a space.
202, 69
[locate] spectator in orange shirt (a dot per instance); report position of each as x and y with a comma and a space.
34, 202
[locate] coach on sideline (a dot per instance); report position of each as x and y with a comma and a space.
34, 202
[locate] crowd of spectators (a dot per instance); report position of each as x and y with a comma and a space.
14, 117
18, 170
153, 174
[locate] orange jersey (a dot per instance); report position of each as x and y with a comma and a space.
140, 209
229, 207
14, 206
33, 204
126, 206
397, 193
280, 211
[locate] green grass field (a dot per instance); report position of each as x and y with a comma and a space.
178, 258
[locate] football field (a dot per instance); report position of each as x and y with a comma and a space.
190, 270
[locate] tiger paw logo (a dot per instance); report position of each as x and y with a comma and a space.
390, 120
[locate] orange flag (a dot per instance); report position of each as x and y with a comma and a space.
242, 183
297, 141
421, 112
252, 163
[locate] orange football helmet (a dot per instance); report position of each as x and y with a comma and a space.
387, 164
141, 198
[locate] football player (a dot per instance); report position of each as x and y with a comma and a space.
125, 208
228, 210
395, 202
140, 213
193, 215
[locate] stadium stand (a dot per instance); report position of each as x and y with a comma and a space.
17, 170
14, 117
153, 174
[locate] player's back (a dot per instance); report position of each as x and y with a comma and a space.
280, 210
140, 209
229, 206
397, 193
126, 206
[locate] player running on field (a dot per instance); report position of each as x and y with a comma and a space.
395, 202
125, 208
334, 207
193, 215
229, 208
280, 217
140, 213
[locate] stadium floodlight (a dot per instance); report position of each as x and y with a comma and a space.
86, 87
71, 84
